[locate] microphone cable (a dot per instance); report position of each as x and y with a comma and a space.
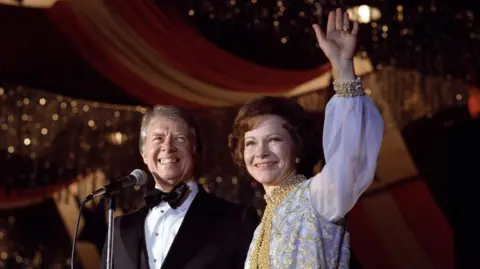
74, 244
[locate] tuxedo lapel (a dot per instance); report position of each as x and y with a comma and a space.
193, 233
132, 236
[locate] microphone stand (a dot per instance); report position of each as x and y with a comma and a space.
111, 210
137, 177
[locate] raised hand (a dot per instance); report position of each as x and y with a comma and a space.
339, 41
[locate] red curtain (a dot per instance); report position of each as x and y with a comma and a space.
421, 220
98, 55
192, 54
176, 44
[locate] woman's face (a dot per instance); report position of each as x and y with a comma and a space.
269, 152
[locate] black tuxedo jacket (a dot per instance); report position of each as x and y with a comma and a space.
214, 234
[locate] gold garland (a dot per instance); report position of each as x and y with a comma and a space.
261, 253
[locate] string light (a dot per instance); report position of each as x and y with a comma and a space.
45, 141
98, 136
364, 13
411, 30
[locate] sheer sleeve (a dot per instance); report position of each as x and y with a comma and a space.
352, 136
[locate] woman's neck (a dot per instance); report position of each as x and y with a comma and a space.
277, 183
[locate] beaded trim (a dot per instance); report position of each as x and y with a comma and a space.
261, 252
348, 89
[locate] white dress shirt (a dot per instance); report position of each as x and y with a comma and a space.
161, 227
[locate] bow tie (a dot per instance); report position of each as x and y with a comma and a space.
155, 196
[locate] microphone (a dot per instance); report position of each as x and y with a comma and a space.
137, 177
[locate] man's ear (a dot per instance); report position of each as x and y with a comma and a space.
144, 159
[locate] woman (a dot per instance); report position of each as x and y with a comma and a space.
302, 226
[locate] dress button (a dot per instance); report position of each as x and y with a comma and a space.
162, 211
156, 234
154, 260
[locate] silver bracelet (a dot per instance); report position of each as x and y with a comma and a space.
349, 89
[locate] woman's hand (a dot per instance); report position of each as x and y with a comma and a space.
338, 44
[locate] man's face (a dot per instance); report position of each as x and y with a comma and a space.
169, 151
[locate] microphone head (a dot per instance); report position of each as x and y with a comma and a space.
140, 176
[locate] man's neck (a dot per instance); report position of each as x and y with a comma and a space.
170, 188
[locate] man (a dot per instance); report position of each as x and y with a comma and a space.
181, 226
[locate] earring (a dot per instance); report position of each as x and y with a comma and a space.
297, 160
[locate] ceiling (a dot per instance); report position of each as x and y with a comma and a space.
34, 52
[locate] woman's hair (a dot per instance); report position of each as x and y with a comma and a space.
297, 123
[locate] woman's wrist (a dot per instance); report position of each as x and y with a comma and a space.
343, 71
